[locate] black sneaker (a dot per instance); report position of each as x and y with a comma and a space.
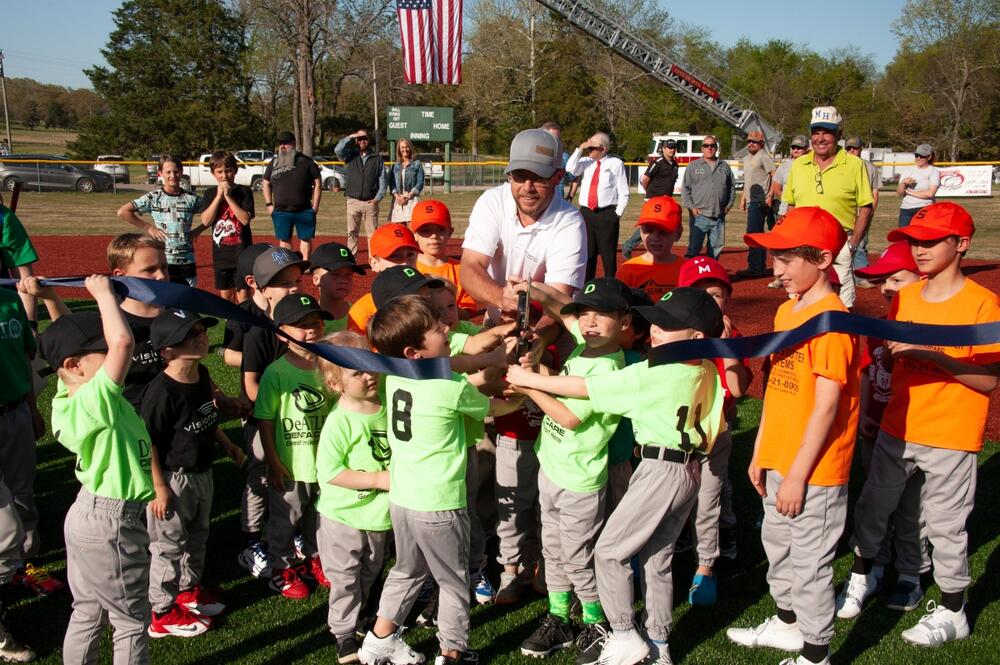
347, 650
428, 615
553, 635
727, 543
590, 641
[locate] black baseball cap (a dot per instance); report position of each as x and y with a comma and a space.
400, 281
333, 255
269, 264
638, 298
286, 137
669, 143
172, 326
604, 294
685, 307
296, 306
72, 335
244, 263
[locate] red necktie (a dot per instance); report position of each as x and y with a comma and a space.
594, 180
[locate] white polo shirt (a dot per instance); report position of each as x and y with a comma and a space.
553, 250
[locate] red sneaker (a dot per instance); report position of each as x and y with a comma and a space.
200, 601
288, 583
178, 622
38, 580
315, 567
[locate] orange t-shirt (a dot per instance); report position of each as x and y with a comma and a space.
928, 406
362, 310
450, 272
653, 278
791, 391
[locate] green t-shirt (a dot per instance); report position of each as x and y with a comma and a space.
622, 442
675, 405
16, 341
577, 460
335, 325
112, 446
428, 440
15, 245
297, 403
460, 334
355, 441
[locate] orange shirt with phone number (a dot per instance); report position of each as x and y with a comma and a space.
791, 391
928, 406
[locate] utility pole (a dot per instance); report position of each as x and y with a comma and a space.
375, 103
6, 117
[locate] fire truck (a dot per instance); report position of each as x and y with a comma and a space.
688, 150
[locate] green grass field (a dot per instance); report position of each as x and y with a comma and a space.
263, 627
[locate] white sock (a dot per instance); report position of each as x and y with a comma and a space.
623, 634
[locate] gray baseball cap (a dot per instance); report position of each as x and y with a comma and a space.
853, 142
800, 141
537, 151
924, 150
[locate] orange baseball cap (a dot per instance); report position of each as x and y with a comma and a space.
661, 211
808, 226
390, 237
936, 221
430, 212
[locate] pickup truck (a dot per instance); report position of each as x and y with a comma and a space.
200, 175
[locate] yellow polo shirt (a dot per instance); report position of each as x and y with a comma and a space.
845, 186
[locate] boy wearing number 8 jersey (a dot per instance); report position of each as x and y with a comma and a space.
805, 442
427, 493
676, 412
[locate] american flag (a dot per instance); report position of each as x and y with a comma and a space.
431, 33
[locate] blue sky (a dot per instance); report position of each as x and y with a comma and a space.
54, 40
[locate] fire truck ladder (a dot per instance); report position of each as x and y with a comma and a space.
704, 92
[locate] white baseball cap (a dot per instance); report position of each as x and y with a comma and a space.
827, 117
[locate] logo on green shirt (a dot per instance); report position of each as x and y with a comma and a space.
379, 443
308, 399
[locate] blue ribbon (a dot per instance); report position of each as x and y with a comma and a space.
756, 346
181, 296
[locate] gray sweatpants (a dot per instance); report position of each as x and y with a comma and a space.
436, 543
800, 554
107, 567
17, 463
352, 560
571, 523
946, 503
291, 511
708, 506
518, 526
11, 535
177, 543
253, 508
646, 523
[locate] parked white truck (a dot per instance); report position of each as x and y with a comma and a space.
200, 175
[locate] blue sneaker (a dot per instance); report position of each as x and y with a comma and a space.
481, 587
703, 590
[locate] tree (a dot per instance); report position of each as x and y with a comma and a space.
174, 81
33, 117
57, 115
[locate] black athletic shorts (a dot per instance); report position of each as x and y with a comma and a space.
227, 279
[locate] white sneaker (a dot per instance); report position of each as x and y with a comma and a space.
385, 650
659, 653
799, 660
858, 589
257, 560
938, 626
773, 633
11, 651
626, 648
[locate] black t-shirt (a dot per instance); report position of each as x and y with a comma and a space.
261, 347
182, 419
662, 178
146, 361
292, 187
235, 333
229, 235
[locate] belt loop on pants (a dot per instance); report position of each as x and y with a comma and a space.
663, 454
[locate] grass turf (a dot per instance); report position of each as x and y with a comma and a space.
263, 627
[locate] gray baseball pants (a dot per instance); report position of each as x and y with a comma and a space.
946, 503
352, 560
517, 501
435, 542
708, 506
253, 508
11, 535
177, 543
17, 462
646, 523
108, 571
800, 553
571, 523
619, 476
291, 511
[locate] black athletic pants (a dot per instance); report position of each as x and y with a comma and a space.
602, 238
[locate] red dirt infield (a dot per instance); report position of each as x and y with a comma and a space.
751, 308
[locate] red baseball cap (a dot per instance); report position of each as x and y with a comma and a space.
808, 226
430, 212
661, 211
698, 268
897, 256
936, 221
390, 237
